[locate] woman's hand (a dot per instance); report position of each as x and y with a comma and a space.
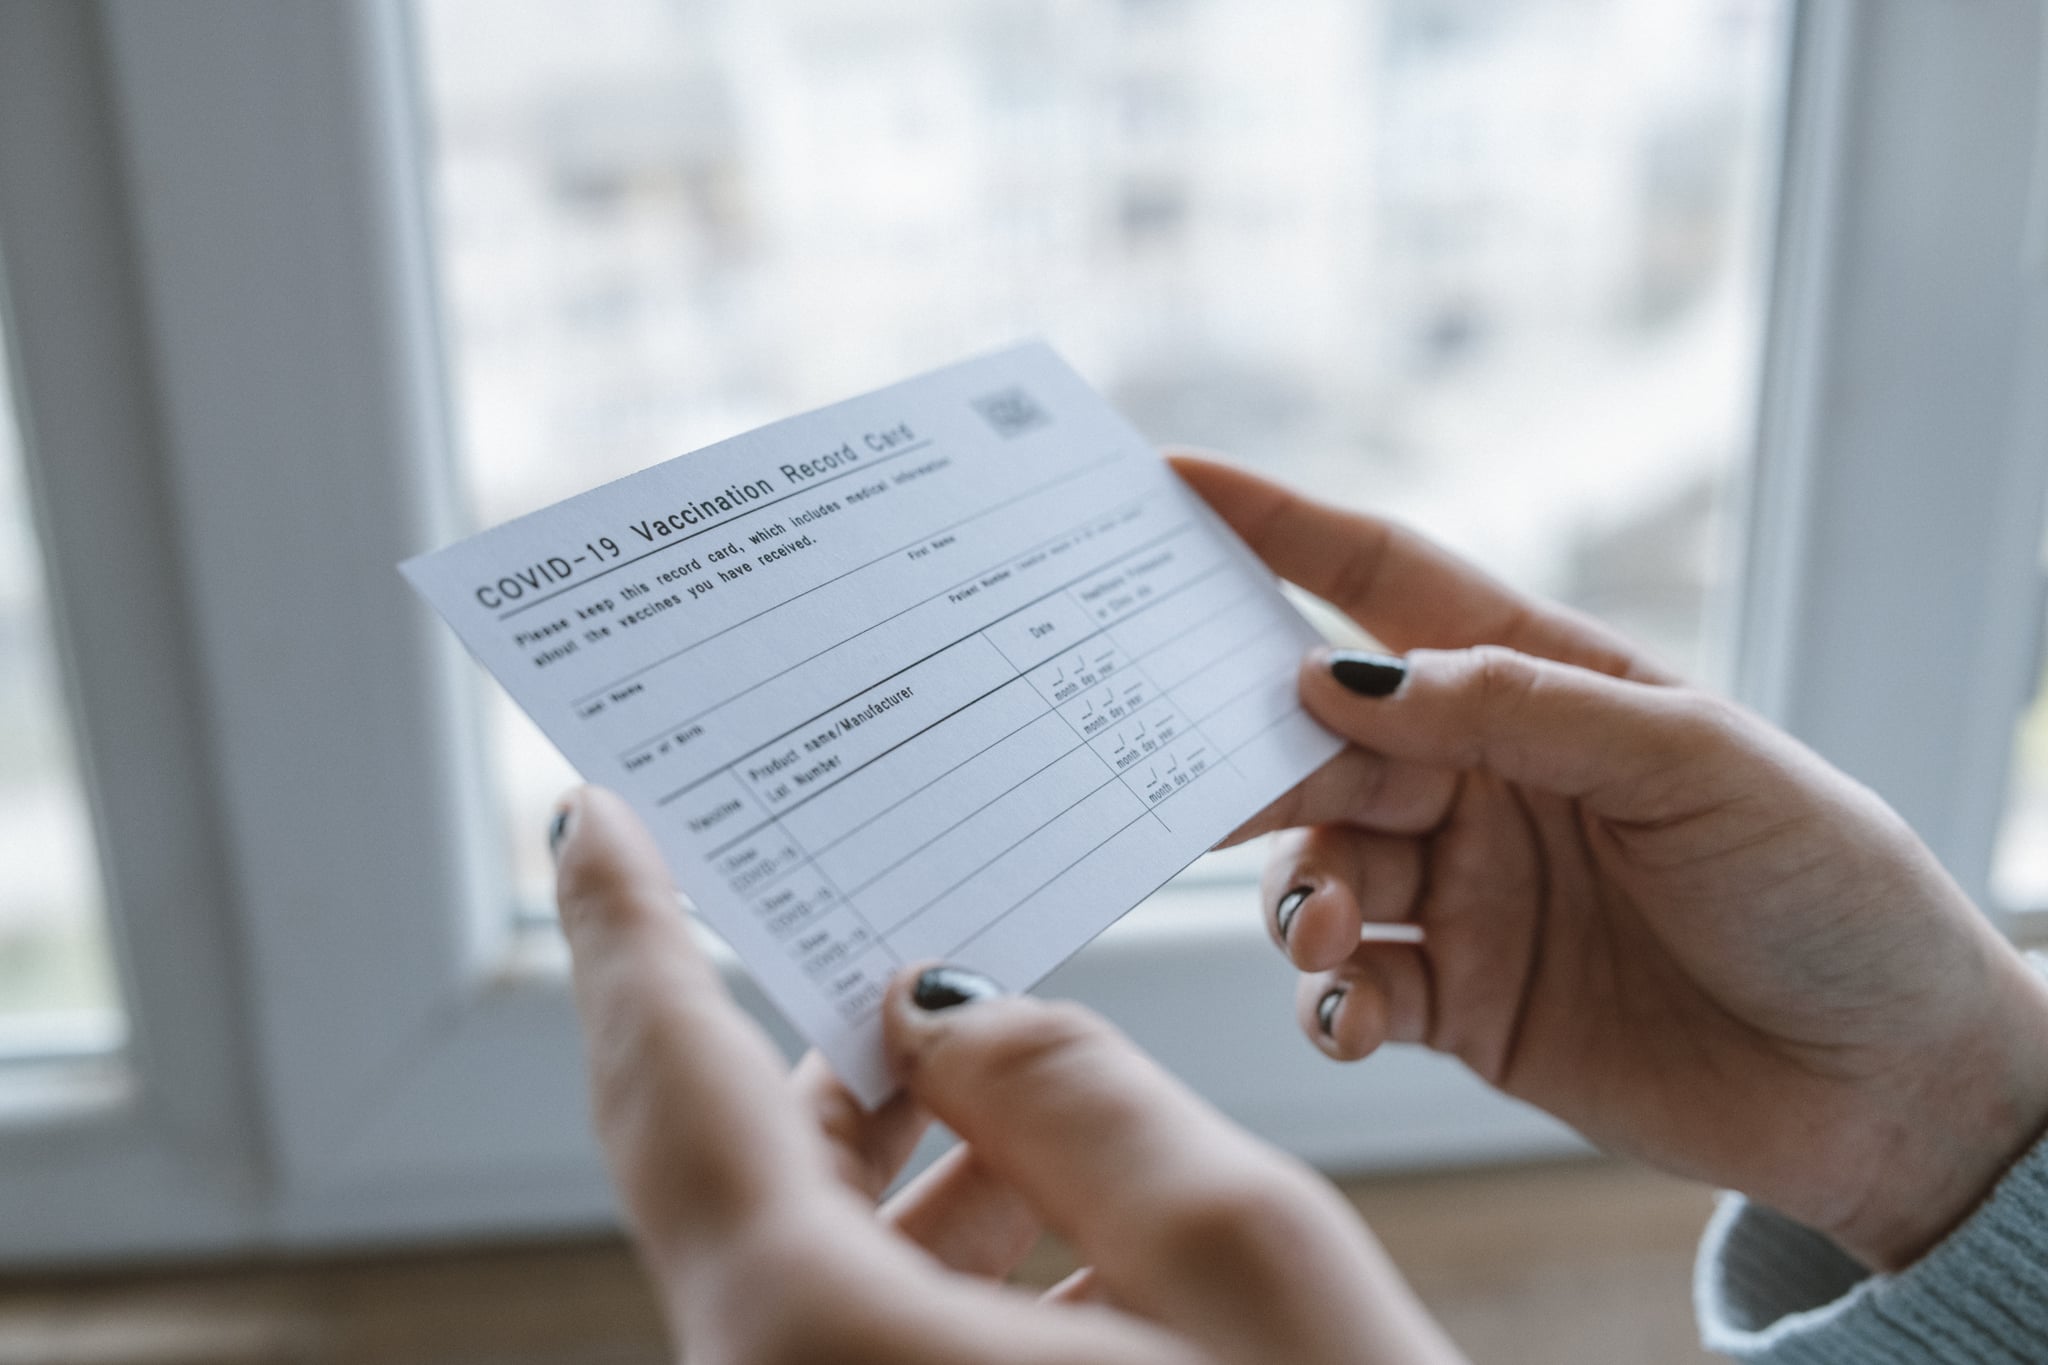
753, 1199
1645, 910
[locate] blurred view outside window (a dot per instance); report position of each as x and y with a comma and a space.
56, 986
1492, 266
2019, 871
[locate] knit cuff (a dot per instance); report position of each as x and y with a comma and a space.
1772, 1291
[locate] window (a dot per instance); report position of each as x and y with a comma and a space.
57, 991
2019, 876
1494, 268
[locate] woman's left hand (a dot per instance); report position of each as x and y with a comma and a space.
754, 1199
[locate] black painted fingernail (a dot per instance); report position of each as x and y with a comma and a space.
1326, 1010
558, 829
1290, 905
941, 988
1369, 675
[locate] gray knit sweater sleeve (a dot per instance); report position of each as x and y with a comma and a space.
1772, 1291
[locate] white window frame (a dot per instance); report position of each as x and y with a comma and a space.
219, 284
1892, 600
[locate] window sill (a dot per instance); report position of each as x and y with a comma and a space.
39, 1094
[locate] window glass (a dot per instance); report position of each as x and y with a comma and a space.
56, 984
2019, 869
1489, 265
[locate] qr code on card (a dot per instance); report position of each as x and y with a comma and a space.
1012, 412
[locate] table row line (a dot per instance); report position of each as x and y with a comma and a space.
922, 900
849, 945
1140, 604
943, 712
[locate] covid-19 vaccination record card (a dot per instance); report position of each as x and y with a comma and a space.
955, 670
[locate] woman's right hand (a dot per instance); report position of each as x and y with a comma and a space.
1646, 910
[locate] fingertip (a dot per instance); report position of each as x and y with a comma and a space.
1333, 681
918, 1009
1259, 824
1242, 498
1386, 703
1363, 1028
1199, 466
1344, 1017
904, 1026
562, 821
1324, 929
583, 815
609, 873
1320, 695
573, 844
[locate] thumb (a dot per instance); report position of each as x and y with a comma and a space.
1630, 750
1187, 1220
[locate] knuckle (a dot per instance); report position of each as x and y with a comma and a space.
1031, 1045
1717, 715
1698, 748
1497, 683
1702, 723
1374, 773
1497, 675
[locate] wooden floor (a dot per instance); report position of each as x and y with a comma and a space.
1583, 1262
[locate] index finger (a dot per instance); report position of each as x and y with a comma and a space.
1408, 591
697, 1125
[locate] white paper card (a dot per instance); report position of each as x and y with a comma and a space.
957, 669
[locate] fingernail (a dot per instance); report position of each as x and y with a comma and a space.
1369, 675
1326, 1010
558, 829
1290, 905
941, 988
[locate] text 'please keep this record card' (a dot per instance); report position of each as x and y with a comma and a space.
955, 670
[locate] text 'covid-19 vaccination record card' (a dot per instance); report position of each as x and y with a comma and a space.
955, 670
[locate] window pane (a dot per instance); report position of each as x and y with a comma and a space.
2019, 870
1492, 267
56, 984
